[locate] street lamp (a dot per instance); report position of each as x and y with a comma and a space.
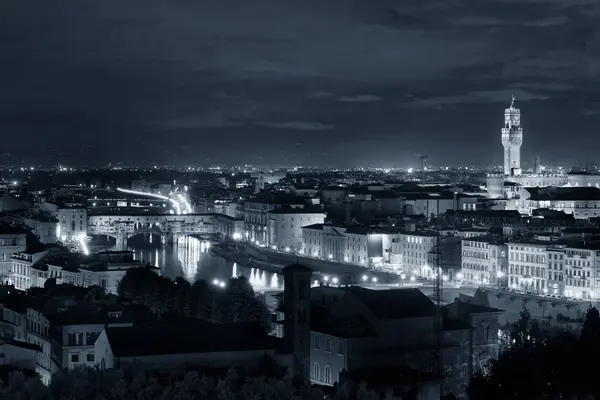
365, 278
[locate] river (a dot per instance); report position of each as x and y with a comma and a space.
192, 260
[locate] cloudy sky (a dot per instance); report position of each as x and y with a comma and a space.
336, 82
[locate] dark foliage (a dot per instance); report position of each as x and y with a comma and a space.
237, 302
88, 383
533, 366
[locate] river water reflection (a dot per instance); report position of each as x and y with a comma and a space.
192, 260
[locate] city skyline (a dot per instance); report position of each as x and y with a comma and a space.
346, 84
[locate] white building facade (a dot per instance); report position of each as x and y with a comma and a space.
72, 223
527, 266
416, 247
284, 230
484, 260
351, 245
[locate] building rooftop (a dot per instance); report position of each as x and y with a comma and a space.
568, 194
10, 229
491, 239
18, 343
92, 314
298, 210
314, 226
471, 308
395, 303
139, 341
321, 321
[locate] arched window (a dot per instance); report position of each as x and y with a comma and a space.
327, 374
316, 372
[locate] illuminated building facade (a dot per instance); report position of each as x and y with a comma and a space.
512, 139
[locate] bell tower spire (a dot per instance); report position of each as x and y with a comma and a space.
512, 139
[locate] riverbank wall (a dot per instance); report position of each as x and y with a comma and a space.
347, 272
558, 312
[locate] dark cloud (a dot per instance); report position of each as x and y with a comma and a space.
361, 98
296, 125
187, 80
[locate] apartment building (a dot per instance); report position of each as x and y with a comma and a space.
484, 260
528, 267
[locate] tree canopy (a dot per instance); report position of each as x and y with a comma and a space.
236, 302
129, 384
533, 366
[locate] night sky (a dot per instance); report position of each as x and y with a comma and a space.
335, 82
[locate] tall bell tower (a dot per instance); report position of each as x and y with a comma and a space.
512, 139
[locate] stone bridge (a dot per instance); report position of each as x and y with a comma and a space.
124, 227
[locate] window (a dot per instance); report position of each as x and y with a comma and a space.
74, 358
328, 345
90, 357
316, 372
317, 346
327, 374
340, 347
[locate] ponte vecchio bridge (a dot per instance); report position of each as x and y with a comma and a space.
169, 227
123, 227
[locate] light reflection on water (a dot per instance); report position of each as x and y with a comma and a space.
192, 260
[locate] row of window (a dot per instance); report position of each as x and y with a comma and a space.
528, 271
476, 254
327, 344
526, 257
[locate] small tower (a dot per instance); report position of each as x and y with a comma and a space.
537, 166
512, 139
296, 325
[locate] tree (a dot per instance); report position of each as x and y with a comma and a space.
235, 303
93, 384
20, 385
532, 367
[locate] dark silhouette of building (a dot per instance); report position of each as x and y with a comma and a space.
297, 333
